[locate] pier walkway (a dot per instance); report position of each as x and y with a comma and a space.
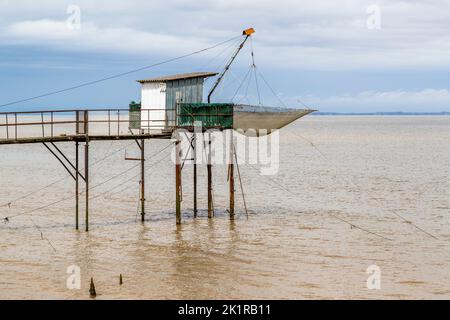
82, 125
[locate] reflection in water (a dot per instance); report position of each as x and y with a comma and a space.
291, 246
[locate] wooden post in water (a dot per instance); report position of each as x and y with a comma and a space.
209, 168
231, 177
194, 151
86, 177
76, 186
142, 180
92, 291
178, 180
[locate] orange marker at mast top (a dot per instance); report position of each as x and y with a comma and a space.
248, 31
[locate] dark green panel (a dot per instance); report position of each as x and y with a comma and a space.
212, 115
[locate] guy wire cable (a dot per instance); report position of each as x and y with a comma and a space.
118, 75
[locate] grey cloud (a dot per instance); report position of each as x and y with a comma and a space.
298, 34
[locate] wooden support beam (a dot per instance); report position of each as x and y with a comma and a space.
60, 160
231, 178
194, 151
86, 167
65, 158
178, 181
75, 175
11, 140
86, 178
209, 168
231, 191
142, 180
77, 207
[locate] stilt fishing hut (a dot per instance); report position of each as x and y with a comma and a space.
176, 101
159, 97
167, 103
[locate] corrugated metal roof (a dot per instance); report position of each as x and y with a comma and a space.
180, 77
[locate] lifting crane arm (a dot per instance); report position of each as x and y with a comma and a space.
247, 33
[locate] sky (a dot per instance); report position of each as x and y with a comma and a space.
335, 56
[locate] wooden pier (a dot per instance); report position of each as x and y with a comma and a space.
180, 97
84, 126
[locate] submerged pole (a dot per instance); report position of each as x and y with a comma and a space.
209, 168
142, 180
92, 291
77, 207
178, 181
86, 177
231, 177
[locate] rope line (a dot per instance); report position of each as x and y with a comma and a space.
126, 182
376, 200
8, 204
43, 237
254, 70
360, 228
240, 182
270, 88
349, 223
118, 75
97, 185
231, 45
226, 81
295, 194
242, 82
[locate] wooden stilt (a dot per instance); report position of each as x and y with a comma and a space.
77, 206
86, 177
209, 168
178, 181
194, 141
231, 178
142, 180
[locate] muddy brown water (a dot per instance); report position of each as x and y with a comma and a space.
293, 244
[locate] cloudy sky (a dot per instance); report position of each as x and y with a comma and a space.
342, 56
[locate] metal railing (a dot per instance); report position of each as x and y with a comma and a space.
92, 122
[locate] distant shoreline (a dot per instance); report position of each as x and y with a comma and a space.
443, 113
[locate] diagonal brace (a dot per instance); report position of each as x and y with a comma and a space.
62, 162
